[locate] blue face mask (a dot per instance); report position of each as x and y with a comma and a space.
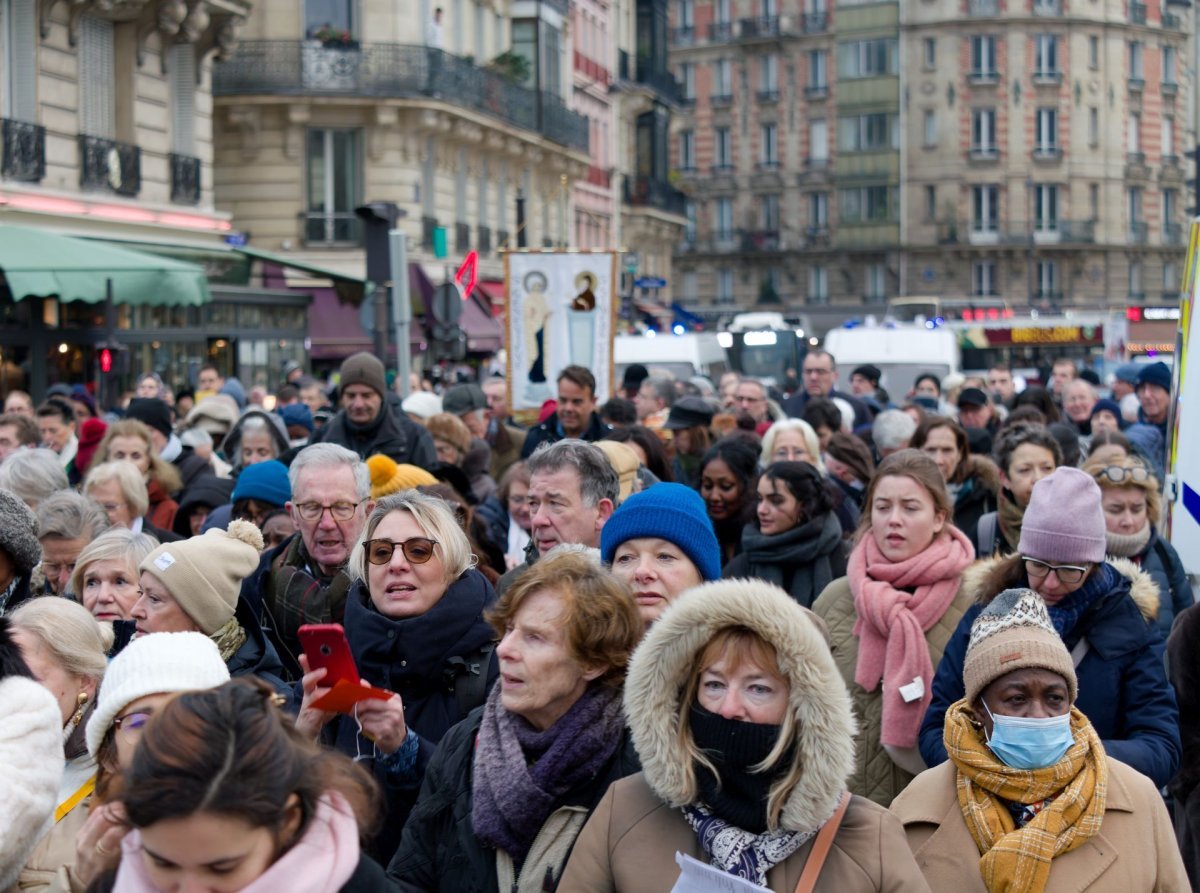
1029, 743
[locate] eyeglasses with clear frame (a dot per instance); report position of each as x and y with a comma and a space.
312, 511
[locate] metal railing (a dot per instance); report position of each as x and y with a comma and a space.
684, 35
1047, 76
1137, 12
1047, 153
1056, 231
24, 155
109, 166
1172, 21
816, 91
815, 22
720, 99
719, 31
978, 77
983, 8
651, 192
484, 240
185, 179
462, 237
983, 153
1172, 234
388, 70
761, 240
767, 95
331, 228
760, 26
1047, 7
1136, 84
429, 226
1139, 232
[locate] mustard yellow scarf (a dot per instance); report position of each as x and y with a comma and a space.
1012, 859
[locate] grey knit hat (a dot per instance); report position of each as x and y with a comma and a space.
19, 532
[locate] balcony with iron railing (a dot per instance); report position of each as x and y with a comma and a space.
331, 228
1169, 88
185, 179
759, 27
767, 95
983, 154
983, 77
1047, 7
1136, 84
720, 99
483, 239
816, 92
395, 71
462, 237
719, 32
1139, 232
985, 232
1047, 77
650, 192
24, 153
1047, 153
1172, 22
1137, 12
683, 36
760, 241
109, 166
642, 71
983, 8
815, 22
1172, 234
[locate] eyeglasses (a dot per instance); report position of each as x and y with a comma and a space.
130, 725
312, 511
417, 550
51, 569
1068, 574
1119, 475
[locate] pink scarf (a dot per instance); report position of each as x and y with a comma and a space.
319, 862
891, 622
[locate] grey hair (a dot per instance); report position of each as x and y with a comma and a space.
127, 478
811, 442
436, 519
893, 429
597, 478
77, 642
589, 552
664, 388
70, 516
194, 437
33, 475
1080, 382
117, 543
331, 455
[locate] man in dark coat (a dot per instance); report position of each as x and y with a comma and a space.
368, 423
576, 416
820, 376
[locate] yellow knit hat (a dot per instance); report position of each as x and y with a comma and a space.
387, 477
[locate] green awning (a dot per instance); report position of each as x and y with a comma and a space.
41, 263
350, 289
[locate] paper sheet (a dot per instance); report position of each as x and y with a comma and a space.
344, 695
696, 877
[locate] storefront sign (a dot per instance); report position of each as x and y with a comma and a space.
1045, 335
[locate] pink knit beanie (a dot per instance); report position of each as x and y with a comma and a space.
1064, 523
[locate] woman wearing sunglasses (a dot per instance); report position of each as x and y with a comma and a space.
1132, 509
414, 621
1104, 613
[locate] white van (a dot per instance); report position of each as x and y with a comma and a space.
680, 356
901, 352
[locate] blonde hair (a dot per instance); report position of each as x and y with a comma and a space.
160, 469
67, 630
1149, 486
436, 520
127, 477
116, 543
739, 646
812, 443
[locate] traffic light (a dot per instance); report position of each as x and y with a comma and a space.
106, 360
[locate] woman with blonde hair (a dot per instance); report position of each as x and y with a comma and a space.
120, 489
105, 579
131, 441
65, 648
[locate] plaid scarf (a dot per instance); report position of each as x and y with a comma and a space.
1015, 860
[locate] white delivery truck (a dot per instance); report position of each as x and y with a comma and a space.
901, 351
680, 356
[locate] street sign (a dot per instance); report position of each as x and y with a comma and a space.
447, 303
468, 273
650, 282
631, 261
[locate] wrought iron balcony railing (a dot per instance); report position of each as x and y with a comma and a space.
185, 179
24, 155
108, 165
654, 193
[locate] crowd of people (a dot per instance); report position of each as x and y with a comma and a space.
810, 639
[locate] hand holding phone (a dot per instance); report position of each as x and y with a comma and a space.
325, 647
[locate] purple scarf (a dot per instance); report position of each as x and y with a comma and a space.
521, 774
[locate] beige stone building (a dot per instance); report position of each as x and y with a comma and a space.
1046, 145
328, 104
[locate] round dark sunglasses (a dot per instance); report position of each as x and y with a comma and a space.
417, 550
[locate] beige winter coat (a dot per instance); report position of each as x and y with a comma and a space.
630, 842
49, 867
875, 775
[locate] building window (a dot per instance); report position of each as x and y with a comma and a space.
818, 285
876, 282
868, 133
983, 131
768, 75
723, 148
1093, 201
1093, 126
1093, 52
818, 210
985, 209
687, 81
336, 14
691, 287
725, 286
1135, 280
983, 56
1170, 205
930, 128
692, 215
687, 150
817, 63
97, 96
1134, 134
1137, 66
930, 203
1170, 278
1168, 137
769, 215
723, 219
1169, 56
1047, 279
818, 141
1045, 136
866, 204
722, 78
983, 278
929, 53
687, 16
1045, 208
721, 11
1045, 55
867, 58
333, 185
181, 70
768, 141
19, 42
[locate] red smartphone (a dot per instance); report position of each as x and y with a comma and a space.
325, 645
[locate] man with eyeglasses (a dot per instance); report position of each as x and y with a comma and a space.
1105, 613
819, 377
304, 579
67, 522
750, 397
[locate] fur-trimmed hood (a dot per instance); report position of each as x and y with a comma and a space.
985, 471
986, 579
658, 675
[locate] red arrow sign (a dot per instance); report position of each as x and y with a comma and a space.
469, 271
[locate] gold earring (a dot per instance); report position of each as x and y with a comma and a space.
81, 701
81, 698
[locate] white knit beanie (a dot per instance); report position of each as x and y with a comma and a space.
154, 664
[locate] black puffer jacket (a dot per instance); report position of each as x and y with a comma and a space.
413, 658
549, 431
257, 656
392, 433
976, 496
439, 850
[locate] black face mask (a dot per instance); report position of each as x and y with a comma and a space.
735, 794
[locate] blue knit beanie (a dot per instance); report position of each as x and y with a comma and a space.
265, 481
1156, 373
670, 512
1106, 405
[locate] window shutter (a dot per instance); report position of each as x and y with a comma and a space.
22, 54
97, 110
181, 69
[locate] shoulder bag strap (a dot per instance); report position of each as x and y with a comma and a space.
821, 847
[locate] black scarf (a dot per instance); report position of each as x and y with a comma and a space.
802, 551
735, 794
